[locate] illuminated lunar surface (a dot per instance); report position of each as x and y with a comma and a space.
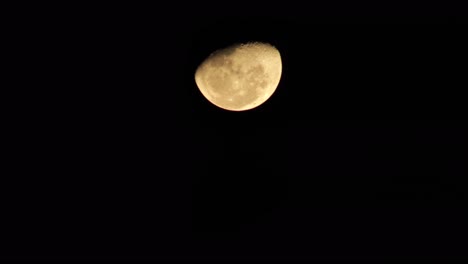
240, 77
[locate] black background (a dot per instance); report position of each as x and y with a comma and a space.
360, 152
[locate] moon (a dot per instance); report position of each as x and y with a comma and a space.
240, 77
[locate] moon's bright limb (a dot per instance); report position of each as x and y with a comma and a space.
240, 77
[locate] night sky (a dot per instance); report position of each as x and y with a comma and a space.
360, 153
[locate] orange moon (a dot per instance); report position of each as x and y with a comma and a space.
240, 77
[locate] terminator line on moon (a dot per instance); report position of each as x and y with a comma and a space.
240, 77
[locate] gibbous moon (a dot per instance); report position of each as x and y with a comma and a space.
240, 77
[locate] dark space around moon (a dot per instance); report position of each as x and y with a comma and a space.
360, 153
364, 141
